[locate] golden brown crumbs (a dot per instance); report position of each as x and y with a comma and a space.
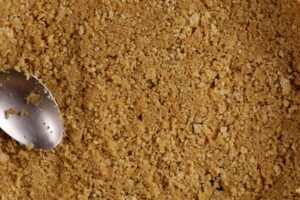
10, 111
33, 98
29, 146
23, 113
161, 99
197, 128
3, 157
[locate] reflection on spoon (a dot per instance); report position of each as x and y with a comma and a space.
28, 111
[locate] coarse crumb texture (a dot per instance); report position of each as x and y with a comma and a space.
194, 99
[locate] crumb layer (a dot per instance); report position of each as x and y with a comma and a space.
161, 99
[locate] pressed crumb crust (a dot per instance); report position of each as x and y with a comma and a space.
160, 99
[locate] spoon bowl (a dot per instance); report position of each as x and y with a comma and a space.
28, 111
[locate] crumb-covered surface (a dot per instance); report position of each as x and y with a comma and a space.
160, 99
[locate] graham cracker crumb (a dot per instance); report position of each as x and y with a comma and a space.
23, 113
194, 19
3, 157
243, 150
160, 99
10, 111
285, 85
33, 98
197, 128
29, 146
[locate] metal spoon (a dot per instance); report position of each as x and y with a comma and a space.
37, 123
